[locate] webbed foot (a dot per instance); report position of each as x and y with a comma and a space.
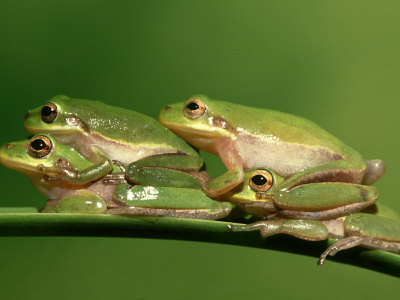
342, 244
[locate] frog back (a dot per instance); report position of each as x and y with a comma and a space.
123, 126
276, 127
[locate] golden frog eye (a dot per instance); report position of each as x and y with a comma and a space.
49, 112
40, 146
194, 108
261, 180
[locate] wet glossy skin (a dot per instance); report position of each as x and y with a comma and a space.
377, 229
96, 130
259, 195
42, 158
245, 137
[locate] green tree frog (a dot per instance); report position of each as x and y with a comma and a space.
260, 196
246, 138
378, 229
43, 157
97, 130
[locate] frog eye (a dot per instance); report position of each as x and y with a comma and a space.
194, 108
261, 180
40, 146
49, 112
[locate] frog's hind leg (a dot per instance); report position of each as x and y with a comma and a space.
167, 202
204, 214
165, 177
310, 230
353, 241
375, 169
370, 231
334, 171
342, 244
165, 170
324, 200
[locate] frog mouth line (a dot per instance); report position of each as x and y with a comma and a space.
192, 132
21, 167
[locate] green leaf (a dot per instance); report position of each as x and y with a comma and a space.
27, 221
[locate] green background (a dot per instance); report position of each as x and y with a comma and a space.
334, 62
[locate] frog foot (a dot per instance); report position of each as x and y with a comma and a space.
374, 170
62, 169
342, 244
352, 241
113, 179
119, 165
62, 175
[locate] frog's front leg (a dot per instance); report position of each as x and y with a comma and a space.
64, 171
323, 200
310, 230
167, 202
334, 171
233, 162
369, 231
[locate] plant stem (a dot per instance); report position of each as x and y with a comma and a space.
27, 222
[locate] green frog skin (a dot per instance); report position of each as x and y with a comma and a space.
314, 216
42, 158
245, 138
96, 130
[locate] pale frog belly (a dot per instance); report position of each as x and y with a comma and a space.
128, 154
284, 158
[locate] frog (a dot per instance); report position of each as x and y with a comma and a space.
41, 156
96, 130
245, 138
260, 195
373, 226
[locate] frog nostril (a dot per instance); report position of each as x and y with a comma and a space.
9, 146
27, 115
167, 107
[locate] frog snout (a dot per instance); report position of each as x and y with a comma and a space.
27, 115
4, 150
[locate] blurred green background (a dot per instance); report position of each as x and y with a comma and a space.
334, 62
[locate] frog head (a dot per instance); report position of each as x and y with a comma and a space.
38, 156
198, 120
258, 186
256, 194
60, 115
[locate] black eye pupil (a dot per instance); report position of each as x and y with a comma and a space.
38, 144
259, 180
46, 111
192, 106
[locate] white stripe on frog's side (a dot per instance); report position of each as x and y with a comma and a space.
127, 154
269, 152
